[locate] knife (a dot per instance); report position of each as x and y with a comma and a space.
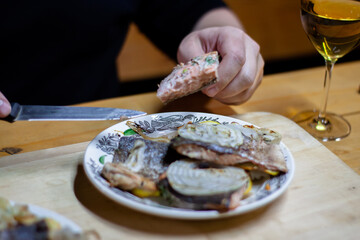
65, 113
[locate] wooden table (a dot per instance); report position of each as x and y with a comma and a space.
284, 94
322, 201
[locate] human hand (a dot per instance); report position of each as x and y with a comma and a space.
5, 107
241, 69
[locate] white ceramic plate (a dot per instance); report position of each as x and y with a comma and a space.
101, 149
46, 213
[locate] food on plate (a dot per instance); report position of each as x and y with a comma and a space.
166, 138
231, 144
208, 186
142, 156
203, 165
17, 222
189, 78
124, 178
137, 165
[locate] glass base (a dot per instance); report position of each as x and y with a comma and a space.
332, 128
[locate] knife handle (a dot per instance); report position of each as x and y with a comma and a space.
15, 110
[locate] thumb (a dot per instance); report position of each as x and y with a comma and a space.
5, 107
189, 48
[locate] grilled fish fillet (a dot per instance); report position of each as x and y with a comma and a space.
189, 78
122, 177
142, 156
137, 164
258, 146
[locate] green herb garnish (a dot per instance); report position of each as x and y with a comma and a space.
210, 60
102, 159
129, 132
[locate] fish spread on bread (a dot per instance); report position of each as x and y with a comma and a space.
189, 78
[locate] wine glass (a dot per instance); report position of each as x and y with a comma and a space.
333, 27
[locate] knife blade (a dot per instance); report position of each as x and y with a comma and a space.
67, 113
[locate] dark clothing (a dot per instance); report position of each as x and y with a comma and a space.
63, 52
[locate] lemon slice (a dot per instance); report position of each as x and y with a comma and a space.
271, 172
143, 193
248, 189
251, 166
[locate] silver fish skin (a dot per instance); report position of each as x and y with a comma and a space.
137, 164
141, 156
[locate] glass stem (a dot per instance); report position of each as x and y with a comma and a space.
327, 80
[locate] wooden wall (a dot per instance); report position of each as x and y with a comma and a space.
274, 24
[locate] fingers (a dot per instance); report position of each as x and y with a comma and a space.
189, 48
229, 68
5, 107
241, 69
229, 46
239, 88
245, 95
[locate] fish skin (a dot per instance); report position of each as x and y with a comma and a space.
150, 164
266, 156
137, 164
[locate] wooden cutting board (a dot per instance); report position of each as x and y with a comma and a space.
322, 201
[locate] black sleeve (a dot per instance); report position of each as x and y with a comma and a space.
167, 22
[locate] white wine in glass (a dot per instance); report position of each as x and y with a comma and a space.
333, 27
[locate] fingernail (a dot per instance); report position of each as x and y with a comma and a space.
211, 91
4, 108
